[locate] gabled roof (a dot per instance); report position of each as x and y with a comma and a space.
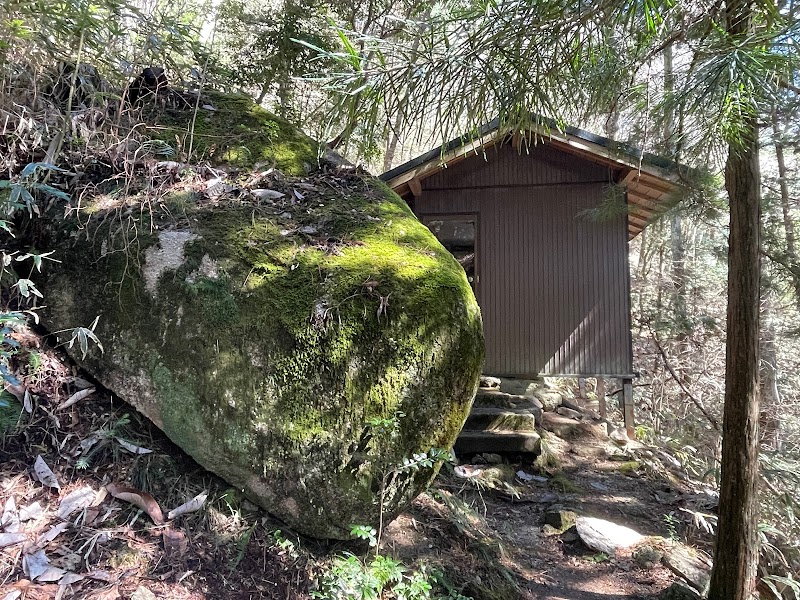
649, 180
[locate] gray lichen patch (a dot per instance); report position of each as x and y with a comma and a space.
208, 269
167, 255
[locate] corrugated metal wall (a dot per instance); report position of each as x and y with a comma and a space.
553, 287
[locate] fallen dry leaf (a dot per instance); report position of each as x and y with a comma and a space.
47, 591
44, 474
70, 578
51, 534
35, 564
9, 520
69, 561
264, 194
143, 593
138, 498
111, 593
77, 397
31, 512
76, 500
133, 448
175, 543
192, 505
18, 589
89, 442
51, 574
18, 390
11, 539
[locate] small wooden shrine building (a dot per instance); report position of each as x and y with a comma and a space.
541, 224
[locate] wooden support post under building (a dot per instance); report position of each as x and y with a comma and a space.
581, 399
600, 390
627, 407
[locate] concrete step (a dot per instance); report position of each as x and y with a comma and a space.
491, 418
476, 442
494, 397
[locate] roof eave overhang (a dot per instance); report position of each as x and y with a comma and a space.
650, 188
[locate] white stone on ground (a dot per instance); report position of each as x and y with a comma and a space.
605, 536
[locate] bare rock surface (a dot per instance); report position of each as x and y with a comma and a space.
693, 566
605, 536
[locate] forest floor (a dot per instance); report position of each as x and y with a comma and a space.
82, 490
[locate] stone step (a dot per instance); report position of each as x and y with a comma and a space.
494, 397
490, 382
476, 442
570, 429
490, 418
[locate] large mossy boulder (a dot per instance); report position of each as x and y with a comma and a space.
302, 347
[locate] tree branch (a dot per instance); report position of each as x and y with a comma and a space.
689, 395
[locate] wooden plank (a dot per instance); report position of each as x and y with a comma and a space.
645, 192
570, 143
658, 184
645, 202
644, 211
415, 186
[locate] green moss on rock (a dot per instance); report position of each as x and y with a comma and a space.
303, 368
235, 131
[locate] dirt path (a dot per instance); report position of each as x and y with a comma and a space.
591, 481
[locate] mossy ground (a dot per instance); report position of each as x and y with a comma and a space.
234, 131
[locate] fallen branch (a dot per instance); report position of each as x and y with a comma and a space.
689, 395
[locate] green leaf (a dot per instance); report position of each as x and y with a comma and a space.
50, 190
26, 287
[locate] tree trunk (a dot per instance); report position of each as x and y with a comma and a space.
679, 280
736, 551
391, 146
769, 417
788, 224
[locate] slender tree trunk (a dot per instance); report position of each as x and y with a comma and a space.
784, 185
736, 551
263, 94
679, 279
391, 146
677, 242
788, 224
769, 420
669, 87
